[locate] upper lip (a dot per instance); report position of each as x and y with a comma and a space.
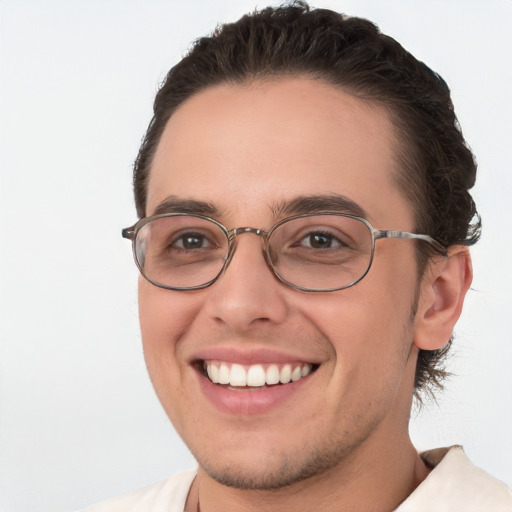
248, 356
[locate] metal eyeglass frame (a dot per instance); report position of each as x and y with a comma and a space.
130, 233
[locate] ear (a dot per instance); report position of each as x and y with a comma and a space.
442, 293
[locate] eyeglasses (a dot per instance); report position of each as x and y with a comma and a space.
319, 252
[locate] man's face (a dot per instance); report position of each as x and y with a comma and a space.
246, 150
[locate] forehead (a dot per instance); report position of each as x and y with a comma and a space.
247, 147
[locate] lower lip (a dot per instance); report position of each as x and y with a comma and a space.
248, 401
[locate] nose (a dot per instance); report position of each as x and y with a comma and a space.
247, 294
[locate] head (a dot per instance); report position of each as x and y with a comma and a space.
284, 103
436, 167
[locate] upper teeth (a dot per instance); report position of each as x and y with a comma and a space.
255, 375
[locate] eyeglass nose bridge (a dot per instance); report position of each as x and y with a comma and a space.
233, 233
238, 231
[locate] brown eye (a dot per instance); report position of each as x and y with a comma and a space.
318, 240
191, 241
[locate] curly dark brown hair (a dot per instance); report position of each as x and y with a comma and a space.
437, 168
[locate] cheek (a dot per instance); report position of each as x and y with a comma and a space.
164, 317
163, 314
369, 325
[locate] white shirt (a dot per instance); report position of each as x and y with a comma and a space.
454, 485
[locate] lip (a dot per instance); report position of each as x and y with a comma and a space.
247, 357
248, 401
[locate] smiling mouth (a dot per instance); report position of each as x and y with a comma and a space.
255, 376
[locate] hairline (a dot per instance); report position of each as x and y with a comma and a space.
402, 143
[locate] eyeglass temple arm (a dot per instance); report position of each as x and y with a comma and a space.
404, 234
128, 233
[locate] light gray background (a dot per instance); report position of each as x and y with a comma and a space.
78, 419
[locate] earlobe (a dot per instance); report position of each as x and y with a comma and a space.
442, 293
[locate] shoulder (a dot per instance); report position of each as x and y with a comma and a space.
457, 484
169, 495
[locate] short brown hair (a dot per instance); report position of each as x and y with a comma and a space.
437, 168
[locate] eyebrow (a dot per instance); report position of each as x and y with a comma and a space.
317, 204
296, 206
174, 204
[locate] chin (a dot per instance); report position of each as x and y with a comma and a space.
275, 471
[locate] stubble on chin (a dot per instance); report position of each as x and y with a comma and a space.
281, 469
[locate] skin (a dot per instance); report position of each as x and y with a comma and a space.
341, 441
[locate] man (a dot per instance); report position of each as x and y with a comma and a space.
284, 338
